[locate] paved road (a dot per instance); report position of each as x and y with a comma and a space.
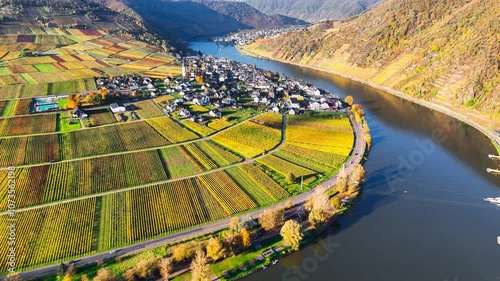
356, 158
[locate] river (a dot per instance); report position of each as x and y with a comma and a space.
421, 215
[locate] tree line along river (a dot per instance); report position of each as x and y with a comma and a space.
421, 215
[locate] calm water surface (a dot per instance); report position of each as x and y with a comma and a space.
421, 215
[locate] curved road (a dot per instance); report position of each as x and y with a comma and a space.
356, 158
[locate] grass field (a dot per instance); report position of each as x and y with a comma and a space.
67, 124
249, 139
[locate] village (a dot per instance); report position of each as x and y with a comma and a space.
216, 84
248, 36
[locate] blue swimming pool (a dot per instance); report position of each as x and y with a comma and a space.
46, 107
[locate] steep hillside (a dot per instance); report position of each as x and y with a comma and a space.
248, 15
447, 51
313, 10
188, 20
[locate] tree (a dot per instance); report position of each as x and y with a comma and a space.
71, 270
67, 277
356, 178
200, 269
215, 249
246, 239
129, 275
349, 100
166, 268
105, 274
234, 224
321, 209
288, 204
290, 178
336, 204
103, 92
199, 79
146, 267
60, 271
229, 241
342, 181
291, 234
272, 219
85, 278
181, 252
90, 97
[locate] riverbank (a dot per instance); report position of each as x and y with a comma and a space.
488, 132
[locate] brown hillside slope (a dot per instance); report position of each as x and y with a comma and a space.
447, 51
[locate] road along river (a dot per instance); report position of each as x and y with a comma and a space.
421, 215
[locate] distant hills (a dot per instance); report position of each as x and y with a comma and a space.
313, 10
447, 51
189, 20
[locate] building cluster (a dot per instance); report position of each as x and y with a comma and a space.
220, 83
248, 36
132, 85
214, 83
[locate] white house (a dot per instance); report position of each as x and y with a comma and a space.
115, 108
215, 113
185, 113
314, 105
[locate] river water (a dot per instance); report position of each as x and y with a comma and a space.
421, 215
